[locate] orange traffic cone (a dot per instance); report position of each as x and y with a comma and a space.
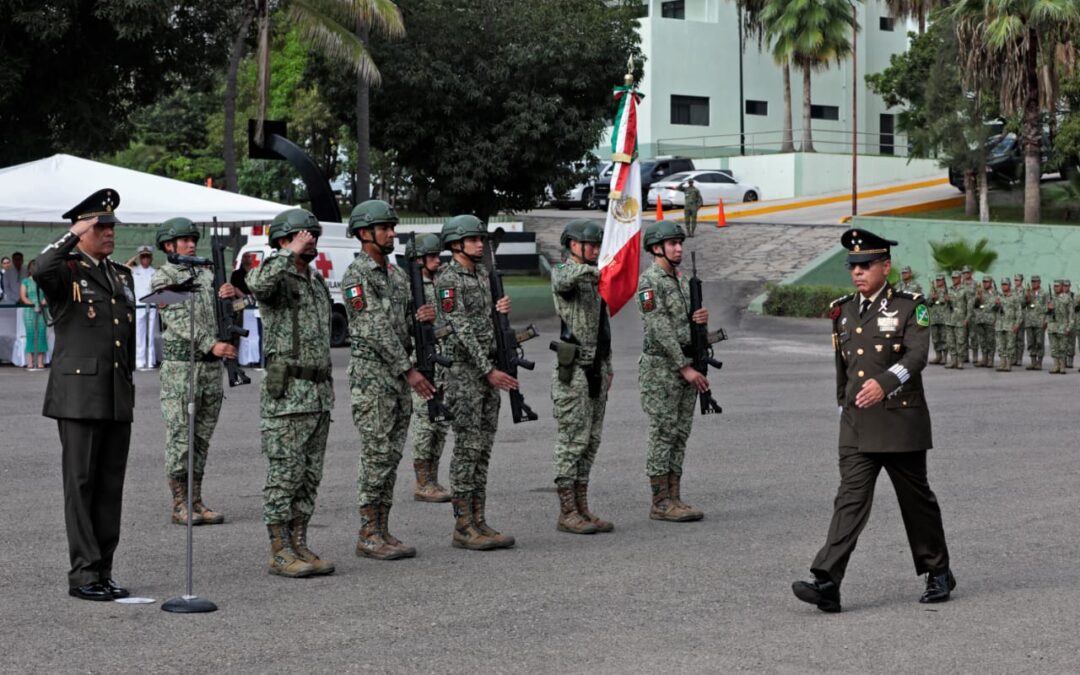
721, 219
659, 209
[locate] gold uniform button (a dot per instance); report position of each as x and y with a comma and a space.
116, 322
115, 364
78, 371
114, 301
903, 402
860, 373
117, 343
859, 351
859, 329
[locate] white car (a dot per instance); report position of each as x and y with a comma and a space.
713, 184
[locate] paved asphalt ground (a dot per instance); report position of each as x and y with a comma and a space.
706, 597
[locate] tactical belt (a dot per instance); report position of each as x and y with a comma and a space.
309, 373
181, 351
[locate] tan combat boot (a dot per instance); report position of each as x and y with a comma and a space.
1068, 362
370, 542
938, 360
1002, 365
384, 527
569, 519
466, 534
427, 483
298, 539
581, 493
209, 516
479, 501
688, 512
662, 506
282, 560
179, 503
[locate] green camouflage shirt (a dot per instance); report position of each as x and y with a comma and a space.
692, 202
664, 303
576, 288
1060, 319
909, 287
295, 310
176, 318
464, 299
960, 302
1035, 303
380, 311
1007, 311
938, 302
982, 304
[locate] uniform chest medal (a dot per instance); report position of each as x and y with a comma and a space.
887, 322
90, 313
446, 300
647, 299
355, 296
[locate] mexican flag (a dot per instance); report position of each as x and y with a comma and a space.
620, 250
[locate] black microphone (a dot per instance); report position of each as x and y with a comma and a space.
189, 260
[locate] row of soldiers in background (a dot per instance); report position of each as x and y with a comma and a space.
972, 323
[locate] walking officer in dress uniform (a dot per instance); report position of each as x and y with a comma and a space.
91, 393
881, 339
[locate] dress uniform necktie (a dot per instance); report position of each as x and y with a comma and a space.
865, 306
104, 267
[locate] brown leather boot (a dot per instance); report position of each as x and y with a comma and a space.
179, 503
427, 483
479, 501
384, 527
581, 493
298, 528
370, 542
209, 516
662, 506
466, 534
283, 561
569, 519
689, 512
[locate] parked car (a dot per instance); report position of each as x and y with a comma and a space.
652, 170
582, 195
714, 185
1005, 161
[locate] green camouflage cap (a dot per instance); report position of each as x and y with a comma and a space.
1005, 281
1018, 276
987, 277
906, 269
955, 273
940, 277
1035, 277
967, 268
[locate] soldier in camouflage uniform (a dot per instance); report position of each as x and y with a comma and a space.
957, 321
1020, 291
1070, 343
1006, 324
939, 310
582, 377
983, 320
1035, 311
380, 311
179, 235
428, 437
691, 204
473, 384
297, 388
669, 383
907, 282
1059, 326
971, 348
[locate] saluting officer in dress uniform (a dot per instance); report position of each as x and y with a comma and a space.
881, 338
90, 392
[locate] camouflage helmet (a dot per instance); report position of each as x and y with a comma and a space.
955, 274
369, 214
585, 231
422, 244
661, 231
940, 277
176, 228
1006, 281
460, 227
291, 222
987, 277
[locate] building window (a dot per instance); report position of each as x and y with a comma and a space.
886, 23
887, 143
757, 107
690, 110
824, 112
673, 9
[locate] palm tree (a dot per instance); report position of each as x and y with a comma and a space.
914, 9
753, 28
1016, 33
810, 34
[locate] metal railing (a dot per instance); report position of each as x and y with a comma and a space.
770, 142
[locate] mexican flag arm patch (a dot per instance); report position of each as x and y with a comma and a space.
647, 300
354, 295
447, 300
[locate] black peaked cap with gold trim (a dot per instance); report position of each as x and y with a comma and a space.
864, 246
101, 205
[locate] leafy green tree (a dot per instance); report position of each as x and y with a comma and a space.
954, 255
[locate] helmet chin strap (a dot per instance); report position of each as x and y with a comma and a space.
664, 255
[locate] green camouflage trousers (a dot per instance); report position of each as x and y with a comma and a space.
381, 408
581, 421
208, 395
1059, 348
428, 437
475, 406
957, 339
1036, 341
1006, 345
294, 446
984, 339
690, 220
668, 401
940, 337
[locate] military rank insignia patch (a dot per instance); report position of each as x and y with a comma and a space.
647, 300
446, 300
355, 296
922, 316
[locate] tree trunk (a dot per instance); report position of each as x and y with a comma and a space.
808, 138
263, 83
970, 207
788, 144
228, 146
922, 21
984, 196
1032, 132
362, 189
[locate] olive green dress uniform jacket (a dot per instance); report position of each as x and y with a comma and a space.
890, 344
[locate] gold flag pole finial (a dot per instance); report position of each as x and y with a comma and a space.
629, 77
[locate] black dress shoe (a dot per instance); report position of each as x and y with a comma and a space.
938, 587
93, 591
116, 591
824, 594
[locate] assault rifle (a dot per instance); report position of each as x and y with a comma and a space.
509, 355
426, 342
701, 341
226, 314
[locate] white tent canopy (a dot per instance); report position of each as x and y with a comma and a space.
38, 192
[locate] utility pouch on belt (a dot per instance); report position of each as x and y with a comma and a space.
565, 356
276, 377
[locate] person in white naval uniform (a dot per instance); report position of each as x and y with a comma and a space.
146, 320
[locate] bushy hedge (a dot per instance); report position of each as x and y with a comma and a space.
804, 301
